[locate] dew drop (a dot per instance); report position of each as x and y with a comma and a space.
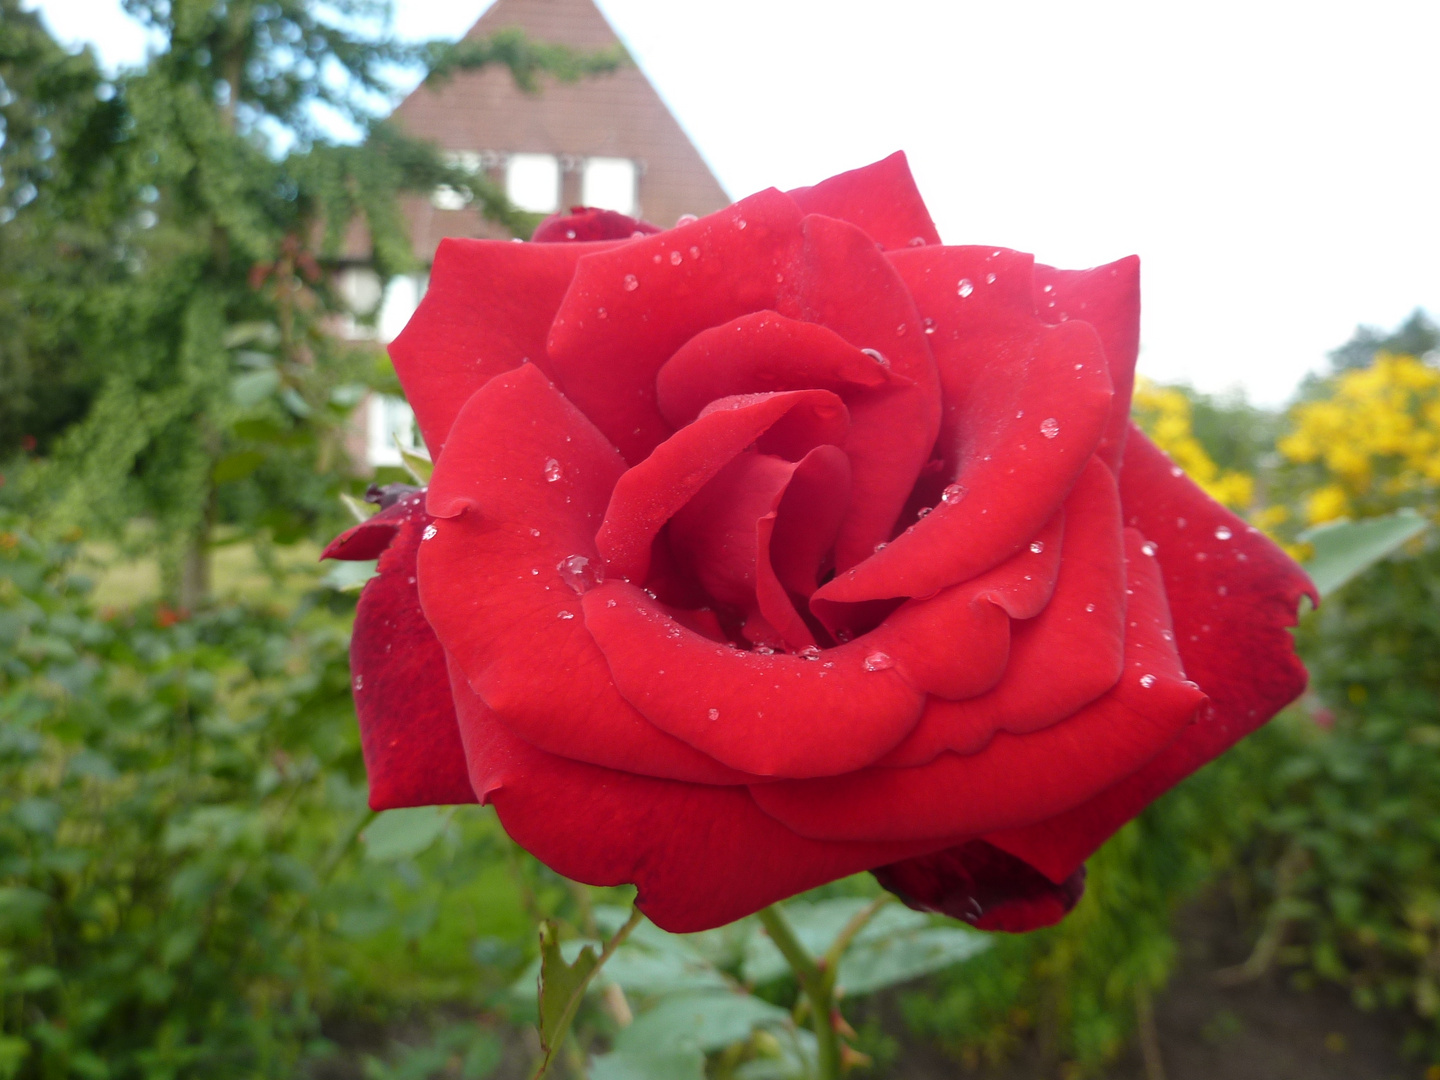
676, 258
685, 219
694, 252
611, 603
1175, 470
429, 533
553, 471
1049, 427
900, 330
764, 650
1148, 548
953, 493
566, 615
1089, 608
1222, 532
881, 546
569, 234
965, 288
809, 652
878, 661
359, 683
603, 313
877, 356
1020, 414
924, 511
929, 325
741, 223
1147, 681
1037, 546
989, 279
534, 532
917, 241
632, 282
714, 714
576, 572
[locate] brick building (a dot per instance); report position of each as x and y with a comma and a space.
605, 141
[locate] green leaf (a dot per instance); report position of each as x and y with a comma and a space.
1345, 548
359, 509
562, 987
349, 575
895, 946
403, 834
260, 333
417, 464
253, 387
237, 466
685, 1064
704, 1022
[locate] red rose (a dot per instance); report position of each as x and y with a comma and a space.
789, 543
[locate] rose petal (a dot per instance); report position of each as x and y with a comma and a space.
701, 856
1108, 298
1026, 405
1016, 779
761, 353
647, 496
842, 282
488, 309
408, 734
496, 582
881, 199
986, 887
589, 223
1060, 660
656, 293
1233, 595
766, 715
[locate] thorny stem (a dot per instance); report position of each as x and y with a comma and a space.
817, 979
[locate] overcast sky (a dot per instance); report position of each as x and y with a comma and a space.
1274, 164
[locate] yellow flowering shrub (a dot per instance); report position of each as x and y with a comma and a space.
1373, 441
1164, 413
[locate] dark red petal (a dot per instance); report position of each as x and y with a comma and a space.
1016, 779
842, 282
774, 715
629, 309
1026, 405
1233, 595
497, 582
589, 223
987, 887
881, 199
809, 517
953, 645
408, 733
761, 353
488, 309
367, 540
1065, 657
647, 496
1108, 298
701, 856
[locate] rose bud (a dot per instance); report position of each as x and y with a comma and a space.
789, 543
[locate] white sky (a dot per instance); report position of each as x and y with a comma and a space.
1273, 163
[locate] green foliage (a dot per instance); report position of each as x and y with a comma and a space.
1343, 549
526, 59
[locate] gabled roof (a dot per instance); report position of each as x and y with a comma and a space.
615, 115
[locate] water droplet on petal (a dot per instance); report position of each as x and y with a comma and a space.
881, 546
741, 223
566, 615
1090, 608
577, 572
676, 258
917, 241
632, 282
685, 219
553, 471
694, 252
953, 493
924, 511
989, 279
1175, 470
534, 532
1222, 532
429, 533
603, 313
965, 288
764, 650
714, 714
1148, 548
1020, 414
809, 652
1037, 546
1147, 681
359, 682
611, 603
1049, 427
929, 325
878, 661
877, 356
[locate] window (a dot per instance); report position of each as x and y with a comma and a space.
532, 182
446, 197
402, 297
609, 183
388, 420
